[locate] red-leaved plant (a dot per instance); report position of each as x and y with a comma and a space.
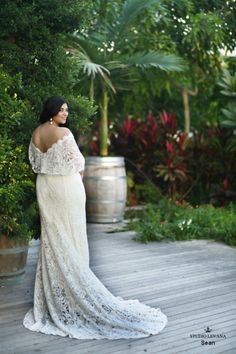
182, 167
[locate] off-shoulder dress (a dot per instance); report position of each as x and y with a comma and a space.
69, 300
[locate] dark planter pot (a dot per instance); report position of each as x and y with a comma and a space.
13, 257
106, 189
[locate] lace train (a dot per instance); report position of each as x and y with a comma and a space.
69, 300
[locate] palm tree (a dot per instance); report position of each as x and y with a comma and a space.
100, 55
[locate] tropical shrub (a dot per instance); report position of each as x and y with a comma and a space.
168, 221
197, 168
18, 215
17, 197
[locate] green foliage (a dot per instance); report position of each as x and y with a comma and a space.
81, 109
17, 209
15, 113
195, 31
147, 192
107, 57
170, 222
156, 60
228, 84
139, 193
12, 109
33, 43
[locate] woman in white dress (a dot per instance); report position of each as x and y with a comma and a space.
69, 300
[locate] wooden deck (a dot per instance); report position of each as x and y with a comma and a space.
193, 282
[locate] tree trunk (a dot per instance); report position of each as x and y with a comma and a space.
104, 124
186, 110
91, 90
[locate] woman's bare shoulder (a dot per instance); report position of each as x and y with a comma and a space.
36, 130
55, 134
60, 132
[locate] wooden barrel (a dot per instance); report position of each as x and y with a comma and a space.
106, 189
13, 256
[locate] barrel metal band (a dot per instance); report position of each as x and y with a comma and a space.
4, 251
102, 218
17, 272
105, 178
122, 201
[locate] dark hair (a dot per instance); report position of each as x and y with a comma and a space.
51, 108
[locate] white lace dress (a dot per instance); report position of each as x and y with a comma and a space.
69, 300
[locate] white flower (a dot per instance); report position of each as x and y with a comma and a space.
189, 222
180, 225
184, 223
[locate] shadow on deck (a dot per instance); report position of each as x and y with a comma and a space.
193, 282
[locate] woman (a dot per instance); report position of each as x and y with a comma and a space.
69, 300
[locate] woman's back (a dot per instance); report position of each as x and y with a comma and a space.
45, 135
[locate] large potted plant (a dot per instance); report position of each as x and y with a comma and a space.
17, 210
101, 54
18, 213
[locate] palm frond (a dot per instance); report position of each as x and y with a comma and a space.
123, 76
116, 65
165, 62
231, 145
230, 112
228, 84
131, 9
77, 42
109, 83
89, 67
228, 124
92, 69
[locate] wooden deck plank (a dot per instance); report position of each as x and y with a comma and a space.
193, 282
